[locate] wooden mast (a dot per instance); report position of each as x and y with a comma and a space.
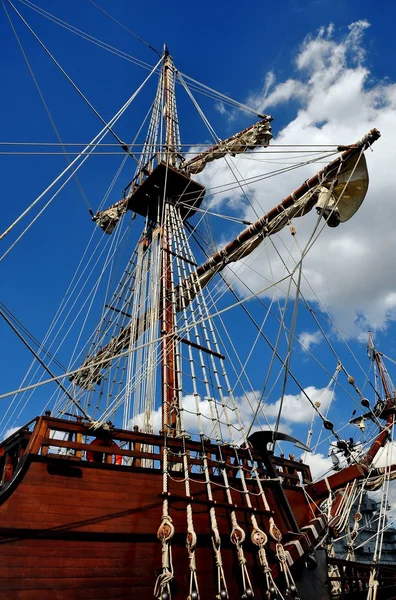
376, 357
170, 384
359, 470
388, 411
169, 109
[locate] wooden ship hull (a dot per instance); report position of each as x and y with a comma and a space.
72, 528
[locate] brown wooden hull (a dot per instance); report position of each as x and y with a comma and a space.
71, 528
80, 530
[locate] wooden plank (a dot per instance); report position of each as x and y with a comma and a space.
87, 593
55, 443
71, 583
84, 571
69, 561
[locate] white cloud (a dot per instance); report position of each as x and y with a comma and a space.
296, 408
10, 431
258, 100
288, 90
245, 404
310, 339
268, 82
319, 464
221, 108
336, 100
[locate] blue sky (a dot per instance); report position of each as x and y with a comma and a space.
230, 47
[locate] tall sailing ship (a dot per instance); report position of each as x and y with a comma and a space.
144, 477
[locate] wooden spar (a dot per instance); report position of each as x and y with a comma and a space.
169, 110
221, 256
376, 356
320, 489
222, 146
169, 138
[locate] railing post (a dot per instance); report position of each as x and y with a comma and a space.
79, 439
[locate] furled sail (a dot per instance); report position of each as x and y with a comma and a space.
258, 134
344, 198
93, 366
108, 219
91, 371
234, 251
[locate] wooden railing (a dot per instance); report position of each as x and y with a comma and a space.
145, 171
76, 440
352, 579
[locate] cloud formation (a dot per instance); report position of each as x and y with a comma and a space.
240, 411
319, 464
308, 340
336, 100
296, 408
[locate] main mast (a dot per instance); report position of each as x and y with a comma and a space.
163, 192
172, 149
154, 193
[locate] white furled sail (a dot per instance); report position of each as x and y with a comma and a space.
108, 219
258, 134
344, 198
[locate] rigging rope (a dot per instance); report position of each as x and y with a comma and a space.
216, 139
84, 153
56, 379
69, 79
29, 335
126, 28
289, 348
86, 36
46, 108
196, 85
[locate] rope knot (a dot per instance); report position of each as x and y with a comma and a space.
280, 552
166, 529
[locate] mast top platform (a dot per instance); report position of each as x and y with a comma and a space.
161, 182
160, 179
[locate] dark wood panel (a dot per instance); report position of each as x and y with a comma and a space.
71, 583
108, 593
120, 503
82, 571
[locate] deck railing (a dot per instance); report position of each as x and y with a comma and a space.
350, 579
76, 440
